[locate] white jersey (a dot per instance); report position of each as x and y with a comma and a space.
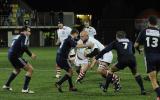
107, 57
63, 33
91, 31
80, 58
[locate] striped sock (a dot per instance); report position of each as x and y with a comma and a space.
81, 75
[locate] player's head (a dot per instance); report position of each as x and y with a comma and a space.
74, 33
84, 36
86, 23
120, 34
26, 30
60, 25
152, 20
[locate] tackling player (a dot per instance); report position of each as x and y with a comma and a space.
125, 53
63, 61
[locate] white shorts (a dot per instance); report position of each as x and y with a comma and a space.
107, 57
79, 62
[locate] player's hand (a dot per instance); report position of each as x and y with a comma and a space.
33, 56
57, 43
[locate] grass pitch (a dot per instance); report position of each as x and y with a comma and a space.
44, 78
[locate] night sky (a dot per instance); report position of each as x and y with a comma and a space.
114, 8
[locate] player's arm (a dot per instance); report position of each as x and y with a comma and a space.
105, 50
138, 41
25, 47
58, 41
93, 53
94, 31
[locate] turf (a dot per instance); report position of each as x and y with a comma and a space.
44, 78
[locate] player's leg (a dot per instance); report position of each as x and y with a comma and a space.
17, 65
58, 71
103, 70
68, 76
110, 76
29, 71
138, 79
12, 76
153, 78
78, 69
84, 68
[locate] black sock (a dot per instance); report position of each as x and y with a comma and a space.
108, 80
70, 82
104, 76
158, 91
26, 82
64, 78
139, 81
11, 78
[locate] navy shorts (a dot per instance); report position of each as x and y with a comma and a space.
63, 63
152, 62
17, 62
127, 62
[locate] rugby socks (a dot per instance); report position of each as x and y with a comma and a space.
26, 82
139, 81
115, 80
70, 82
108, 80
58, 71
11, 78
158, 91
81, 75
64, 78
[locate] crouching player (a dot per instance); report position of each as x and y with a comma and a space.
63, 61
125, 58
19, 46
103, 62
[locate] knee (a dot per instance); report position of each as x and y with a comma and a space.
99, 70
70, 73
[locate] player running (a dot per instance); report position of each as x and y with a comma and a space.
150, 38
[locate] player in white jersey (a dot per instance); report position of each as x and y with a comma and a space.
103, 62
63, 32
81, 61
91, 30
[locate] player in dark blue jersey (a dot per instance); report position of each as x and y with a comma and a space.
125, 53
63, 61
15, 53
150, 38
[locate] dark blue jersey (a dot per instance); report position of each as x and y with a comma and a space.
124, 48
150, 38
66, 47
19, 46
